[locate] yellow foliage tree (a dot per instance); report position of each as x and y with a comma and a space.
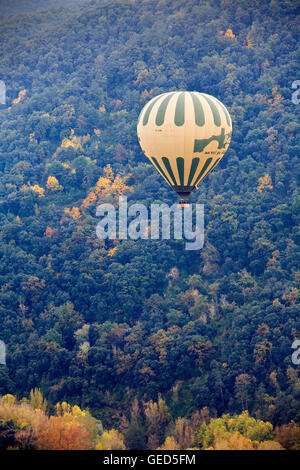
112, 251
102, 187
75, 141
89, 200
110, 185
239, 432
119, 186
111, 440
233, 442
265, 182
70, 429
169, 444
81, 417
22, 414
277, 97
292, 296
37, 401
108, 172
269, 445
74, 213
53, 184
37, 189
21, 96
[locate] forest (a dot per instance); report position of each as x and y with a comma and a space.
143, 344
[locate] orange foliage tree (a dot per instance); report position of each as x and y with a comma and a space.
58, 433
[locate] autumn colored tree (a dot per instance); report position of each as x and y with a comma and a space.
37, 400
111, 440
265, 182
135, 431
89, 200
21, 96
157, 419
37, 189
229, 34
74, 213
233, 433
60, 434
183, 433
169, 444
288, 435
53, 184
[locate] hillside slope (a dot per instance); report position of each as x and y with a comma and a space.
100, 323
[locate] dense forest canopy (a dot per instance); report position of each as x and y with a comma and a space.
18, 7
103, 324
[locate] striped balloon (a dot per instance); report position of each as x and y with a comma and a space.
184, 134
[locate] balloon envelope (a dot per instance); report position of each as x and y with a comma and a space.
184, 134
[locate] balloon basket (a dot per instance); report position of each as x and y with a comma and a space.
183, 203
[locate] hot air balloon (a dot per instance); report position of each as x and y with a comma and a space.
184, 134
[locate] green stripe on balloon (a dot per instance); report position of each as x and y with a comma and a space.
179, 111
157, 165
227, 116
205, 166
214, 109
149, 109
199, 114
180, 168
194, 165
169, 169
160, 116
215, 164
139, 118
